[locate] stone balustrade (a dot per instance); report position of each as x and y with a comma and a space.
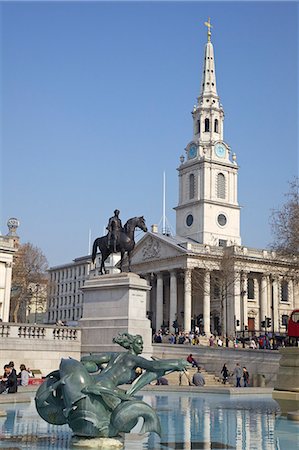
38, 346
39, 332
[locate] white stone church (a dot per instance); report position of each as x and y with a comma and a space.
203, 277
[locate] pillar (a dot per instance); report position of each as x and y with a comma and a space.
244, 296
148, 295
263, 299
159, 301
173, 299
187, 300
275, 311
206, 303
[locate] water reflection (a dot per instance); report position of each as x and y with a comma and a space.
189, 422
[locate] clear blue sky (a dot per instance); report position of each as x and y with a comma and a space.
96, 102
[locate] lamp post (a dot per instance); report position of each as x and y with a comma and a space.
36, 301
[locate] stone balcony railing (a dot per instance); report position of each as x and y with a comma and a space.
38, 346
41, 332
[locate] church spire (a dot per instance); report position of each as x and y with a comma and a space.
208, 86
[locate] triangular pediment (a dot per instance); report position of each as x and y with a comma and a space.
155, 246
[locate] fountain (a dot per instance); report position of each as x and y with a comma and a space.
86, 394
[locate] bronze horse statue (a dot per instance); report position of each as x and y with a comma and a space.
125, 243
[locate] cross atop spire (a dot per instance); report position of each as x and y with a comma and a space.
208, 24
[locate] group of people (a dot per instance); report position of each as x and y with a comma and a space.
10, 380
238, 372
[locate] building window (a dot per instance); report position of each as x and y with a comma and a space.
284, 320
216, 126
189, 220
221, 219
220, 185
222, 243
207, 125
191, 186
284, 291
250, 288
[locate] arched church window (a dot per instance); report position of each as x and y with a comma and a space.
207, 125
220, 185
216, 126
191, 186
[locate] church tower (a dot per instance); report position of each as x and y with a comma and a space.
208, 209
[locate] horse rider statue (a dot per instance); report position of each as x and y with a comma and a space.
114, 228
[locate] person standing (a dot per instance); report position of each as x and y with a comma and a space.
225, 374
245, 377
238, 373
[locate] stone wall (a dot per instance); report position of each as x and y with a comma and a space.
38, 346
262, 362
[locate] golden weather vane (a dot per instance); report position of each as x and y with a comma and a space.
208, 24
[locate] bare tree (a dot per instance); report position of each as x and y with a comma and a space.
285, 223
29, 270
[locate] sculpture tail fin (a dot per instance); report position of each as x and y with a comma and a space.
126, 416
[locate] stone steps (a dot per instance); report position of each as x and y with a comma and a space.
185, 378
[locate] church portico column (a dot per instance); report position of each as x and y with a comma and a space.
148, 294
263, 298
275, 313
244, 296
237, 305
206, 303
173, 299
159, 301
187, 300
291, 294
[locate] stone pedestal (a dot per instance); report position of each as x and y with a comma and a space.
113, 304
286, 389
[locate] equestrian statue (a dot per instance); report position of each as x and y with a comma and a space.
119, 239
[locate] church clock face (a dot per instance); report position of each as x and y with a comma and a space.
220, 150
192, 152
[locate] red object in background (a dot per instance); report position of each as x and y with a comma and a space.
35, 381
293, 324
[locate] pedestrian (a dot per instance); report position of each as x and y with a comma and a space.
198, 378
238, 373
220, 342
252, 344
245, 377
23, 376
9, 383
192, 361
225, 374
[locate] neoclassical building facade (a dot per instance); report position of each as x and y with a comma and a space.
223, 290
204, 276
